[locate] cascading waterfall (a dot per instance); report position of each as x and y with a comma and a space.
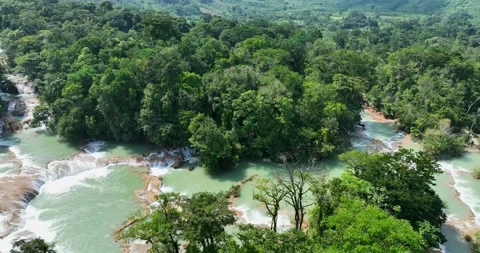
60, 176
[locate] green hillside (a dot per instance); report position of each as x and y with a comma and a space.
301, 10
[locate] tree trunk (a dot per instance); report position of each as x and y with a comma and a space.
274, 223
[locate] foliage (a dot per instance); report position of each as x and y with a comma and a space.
206, 216
407, 178
161, 228
302, 10
350, 214
36, 245
474, 242
426, 84
241, 88
329, 195
255, 240
212, 143
476, 173
357, 227
441, 143
199, 220
231, 90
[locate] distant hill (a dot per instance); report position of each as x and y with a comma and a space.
302, 10
411, 6
402, 6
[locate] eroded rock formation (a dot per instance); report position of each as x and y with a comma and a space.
15, 193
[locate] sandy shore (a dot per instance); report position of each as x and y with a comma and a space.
377, 116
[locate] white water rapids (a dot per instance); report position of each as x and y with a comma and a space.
59, 179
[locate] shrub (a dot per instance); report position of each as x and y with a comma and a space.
440, 143
234, 191
476, 173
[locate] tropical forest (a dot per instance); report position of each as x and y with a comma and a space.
247, 126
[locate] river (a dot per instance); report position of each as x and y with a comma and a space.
81, 200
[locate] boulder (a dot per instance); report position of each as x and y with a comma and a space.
20, 108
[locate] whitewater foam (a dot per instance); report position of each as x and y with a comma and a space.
27, 160
61, 176
11, 106
58, 178
93, 147
442, 248
159, 171
166, 189
66, 184
466, 194
256, 217
7, 165
32, 227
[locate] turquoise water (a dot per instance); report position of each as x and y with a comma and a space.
85, 217
87, 207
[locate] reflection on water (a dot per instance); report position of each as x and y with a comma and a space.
455, 242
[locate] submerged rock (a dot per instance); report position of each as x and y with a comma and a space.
20, 108
165, 158
11, 125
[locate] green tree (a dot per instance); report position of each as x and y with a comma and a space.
407, 178
329, 195
36, 245
213, 143
206, 216
163, 227
119, 97
441, 143
29, 64
160, 26
257, 240
160, 110
358, 227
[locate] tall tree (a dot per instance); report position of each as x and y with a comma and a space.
163, 228
296, 184
407, 178
206, 216
271, 194
357, 227
212, 142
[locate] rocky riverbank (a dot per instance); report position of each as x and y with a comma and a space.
18, 189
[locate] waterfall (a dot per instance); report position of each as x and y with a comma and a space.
19, 220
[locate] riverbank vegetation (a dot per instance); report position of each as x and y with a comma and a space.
36, 245
228, 89
382, 197
257, 89
233, 90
